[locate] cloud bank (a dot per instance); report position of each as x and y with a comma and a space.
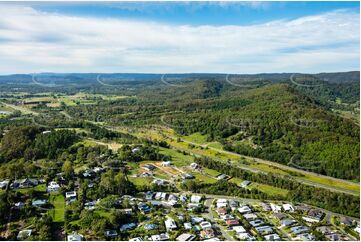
35, 41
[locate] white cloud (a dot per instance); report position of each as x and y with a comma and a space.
34, 41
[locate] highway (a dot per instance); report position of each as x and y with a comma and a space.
253, 169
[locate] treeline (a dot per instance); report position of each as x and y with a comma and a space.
333, 201
139, 153
31, 143
225, 188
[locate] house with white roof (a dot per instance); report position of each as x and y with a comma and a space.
166, 163
275, 208
288, 207
70, 196
244, 209
205, 225
53, 187
75, 237
195, 199
246, 237
170, 224
185, 237
160, 237
187, 226
272, 237
24, 234
221, 203
239, 229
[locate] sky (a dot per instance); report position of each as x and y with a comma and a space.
179, 37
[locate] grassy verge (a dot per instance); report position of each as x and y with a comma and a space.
57, 213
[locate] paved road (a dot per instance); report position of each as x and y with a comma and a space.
20, 108
250, 200
299, 179
209, 216
267, 162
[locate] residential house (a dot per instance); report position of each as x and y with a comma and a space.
232, 222
324, 229
227, 217
299, 229
24, 234
287, 222
346, 221
192, 206
314, 216
245, 183
246, 237
306, 237
19, 205
166, 163
221, 203
53, 187
256, 223
194, 166
149, 167
279, 216
275, 208
187, 226
239, 229
185, 237
195, 199
222, 211
187, 176
158, 195
233, 204
160, 237
264, 230
70, 196
4, 184
183, 199
302, 208
150, 226
250, 216
265, 207
170, 224
149, 195
272, 237
39, 202
135, 150
244, 209
25, 183
197, 220
143, 207
223, 177
75, 237
288, 208
128, 226
90, 205
159, 182
111, 233
205, 225
207, 233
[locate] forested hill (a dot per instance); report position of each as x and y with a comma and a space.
277, 123
294, 119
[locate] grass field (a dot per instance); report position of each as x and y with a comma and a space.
196, 138
58, 201
262, 187
141, 181
177, 158
264, 167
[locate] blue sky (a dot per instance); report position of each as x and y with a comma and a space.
164, 37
